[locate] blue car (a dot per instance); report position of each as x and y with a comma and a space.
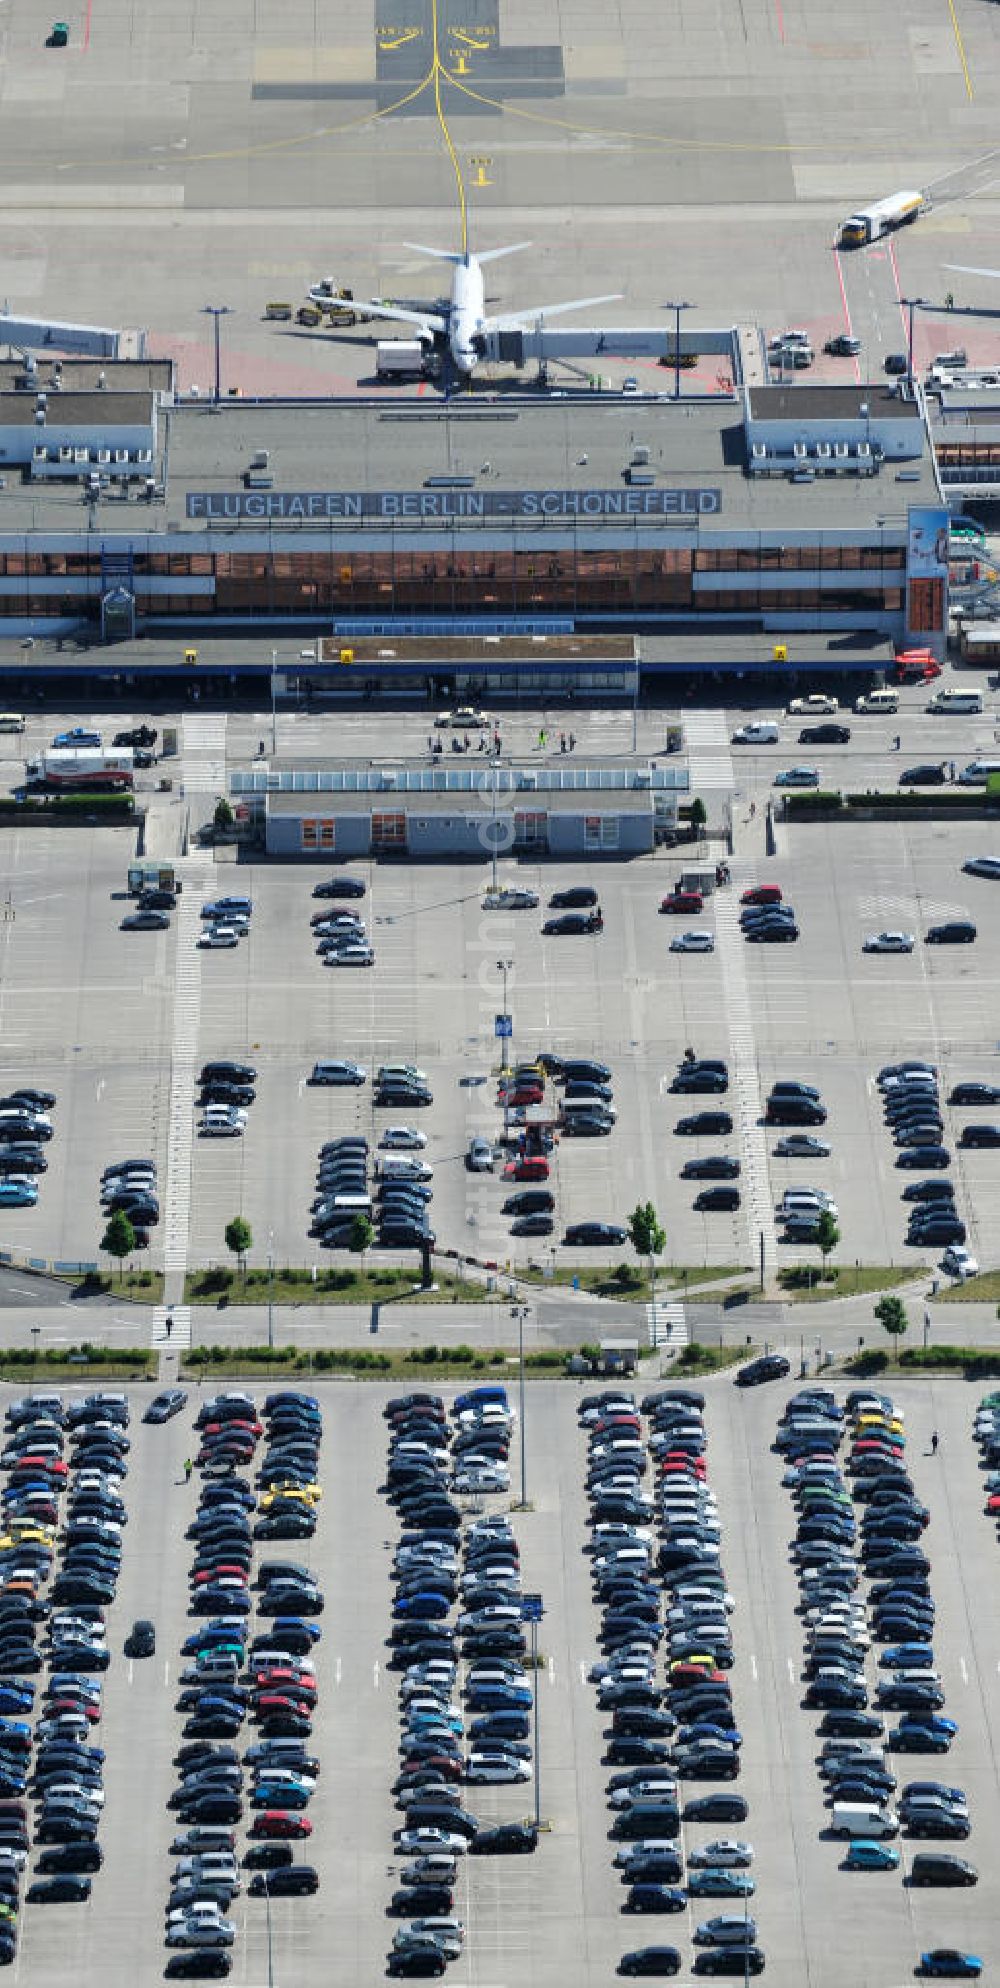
280, 1795
927, 1732
864, 1855
15, 1698
18, 1193
907, 1656
429, 1605
950, 1964
498, 1697
704, 1730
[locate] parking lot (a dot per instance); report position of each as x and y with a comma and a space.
527, 1917
117, 1024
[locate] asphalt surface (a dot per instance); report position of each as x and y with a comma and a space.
526, 1917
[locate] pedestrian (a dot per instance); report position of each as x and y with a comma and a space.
562, 741
572, 742
543, 739
951, 769
430, 742
934, 1442
168, 1324
753, 809
188, 1468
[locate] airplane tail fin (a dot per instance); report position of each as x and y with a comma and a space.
493, 255
440, 255
450, 255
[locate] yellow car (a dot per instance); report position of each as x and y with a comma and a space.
306, 1494
22, 1533
889, 1425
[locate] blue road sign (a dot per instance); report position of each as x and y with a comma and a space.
503, 1025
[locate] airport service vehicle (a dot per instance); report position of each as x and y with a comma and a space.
869, 224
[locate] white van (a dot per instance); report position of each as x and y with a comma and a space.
11, 721
944, 701
876, 701
803, 1201
351, 1204
764, 732
864, 1819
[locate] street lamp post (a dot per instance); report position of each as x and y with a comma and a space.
270, 1287
274, 711
35, 1332
215, 312
677, 308
505, 967
912, 304
532, 1612
493, 839
520, 1312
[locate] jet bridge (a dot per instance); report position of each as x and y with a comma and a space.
85, 341
536, 344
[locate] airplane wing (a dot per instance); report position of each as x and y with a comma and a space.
511, 320
430, 322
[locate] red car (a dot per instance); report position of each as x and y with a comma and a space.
277, 1705
685, 1673
993, 1505
279, 1822
521, 1096
234, 1428
532, 1167
683, 900
762, 894
286, 1683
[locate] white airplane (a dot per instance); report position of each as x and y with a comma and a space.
461, 320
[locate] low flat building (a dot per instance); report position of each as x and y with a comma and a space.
776, 511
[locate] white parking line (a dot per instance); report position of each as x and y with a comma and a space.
552, 1670
338, 1671
963, 1667
753, 1667
583, 1671
375, 1673
791, 1670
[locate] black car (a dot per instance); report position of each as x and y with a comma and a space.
580, 896
146, 919
157, 900
574, 923
777, 932
975, 1094
737, 1960
929, 775
530, 1201
842, 346
702, 1124
599, 1235
716, 1166
532, 1225
22, 1159
980, 1135
34, 1099
715, 1199
719, 1807
292, 1881
923, 1156
506, 1838
699, 1077
417, 1961
956, 932
769, 1367
825, 735
227, 1073
794, 1111
139, 735
340, 887
197, 1963
650, 1960
929, 1190
141, 1641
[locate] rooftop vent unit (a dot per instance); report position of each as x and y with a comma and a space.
260, 459
640, 454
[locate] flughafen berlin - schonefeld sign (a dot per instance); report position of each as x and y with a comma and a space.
386, 506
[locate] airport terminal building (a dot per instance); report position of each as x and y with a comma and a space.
725, 524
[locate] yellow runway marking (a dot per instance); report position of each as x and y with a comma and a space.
411, 34
960, 45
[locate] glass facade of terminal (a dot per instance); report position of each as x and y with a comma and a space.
855, 581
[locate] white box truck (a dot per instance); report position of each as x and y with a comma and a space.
400, 359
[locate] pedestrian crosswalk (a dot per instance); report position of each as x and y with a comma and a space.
178, 1338
667, 1325
710, 762
203, 747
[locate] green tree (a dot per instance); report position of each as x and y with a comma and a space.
118, 1238
827, 1235
698, 813
223, 817
648, 1238
362, 1235
891, 1315
239, 1238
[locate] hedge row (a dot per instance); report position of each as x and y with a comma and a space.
112, 806
65, 1356
973, 1362
818, 800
